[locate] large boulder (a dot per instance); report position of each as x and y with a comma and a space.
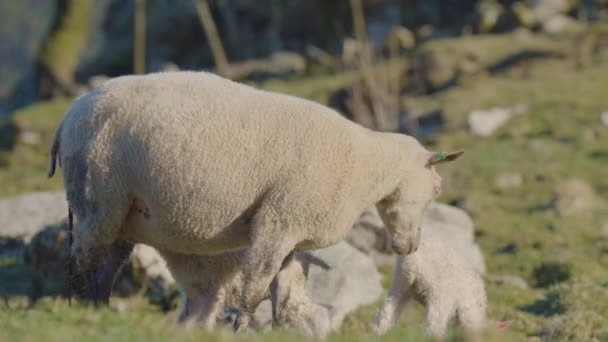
24, 216
351, 282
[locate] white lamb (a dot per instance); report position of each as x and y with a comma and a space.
193, 163
444, 282
209, 283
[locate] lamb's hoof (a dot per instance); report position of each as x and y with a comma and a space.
241, 324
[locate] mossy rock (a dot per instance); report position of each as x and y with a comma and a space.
18, 279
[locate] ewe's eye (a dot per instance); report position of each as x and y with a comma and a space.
437, 191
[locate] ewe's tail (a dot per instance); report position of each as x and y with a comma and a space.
54, 151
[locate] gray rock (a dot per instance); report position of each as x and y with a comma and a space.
604, 118
449, 215
489, 11
352, 281
574, 196
18, 280
546, 9
510, 281
368, 233
24, 216
484, 123
508, 180
560, 23
30, 138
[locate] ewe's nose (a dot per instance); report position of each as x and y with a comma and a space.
404, 245
405, 248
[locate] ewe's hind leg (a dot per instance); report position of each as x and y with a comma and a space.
99, 206
393, 305
271, 244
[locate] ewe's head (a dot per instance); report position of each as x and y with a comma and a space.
403, 209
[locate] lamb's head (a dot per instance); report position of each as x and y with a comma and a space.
403, 209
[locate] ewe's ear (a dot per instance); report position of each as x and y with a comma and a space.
442, 157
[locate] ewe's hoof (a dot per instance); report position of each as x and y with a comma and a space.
241, 324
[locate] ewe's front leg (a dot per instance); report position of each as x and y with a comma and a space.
210, 307
191, 306
264, 260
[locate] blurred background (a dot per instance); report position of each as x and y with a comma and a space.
522, 86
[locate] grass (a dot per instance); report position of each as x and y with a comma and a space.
563, 258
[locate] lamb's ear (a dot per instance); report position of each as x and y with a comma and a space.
442, 157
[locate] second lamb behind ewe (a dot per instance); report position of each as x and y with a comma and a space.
211, 282
444, 282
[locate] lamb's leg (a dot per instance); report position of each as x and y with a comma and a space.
438, 314
473, 320
393, 305
263, 261
210, 308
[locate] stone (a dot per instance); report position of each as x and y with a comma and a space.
17, 278
604, 118
546, 9
46, 254
368, 233
510, 281
508, 180
524, 14
24, 216
449, 215
30, 138
560, 23
604, 230
488, 11
573, 197
352, 281
484, 123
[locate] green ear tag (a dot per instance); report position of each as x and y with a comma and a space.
441, 155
